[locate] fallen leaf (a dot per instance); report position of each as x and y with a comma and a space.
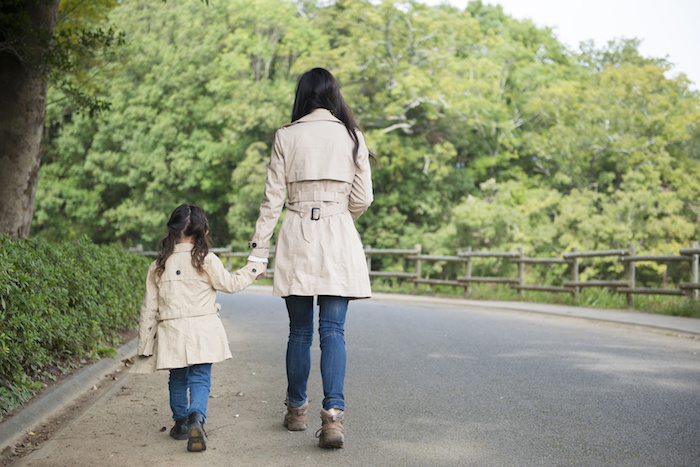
9, 451
163, 429
240, 394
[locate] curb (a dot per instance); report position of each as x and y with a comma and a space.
60, 395
664, 323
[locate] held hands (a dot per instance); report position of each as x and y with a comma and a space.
264, 269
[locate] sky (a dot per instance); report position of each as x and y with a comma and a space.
667, 29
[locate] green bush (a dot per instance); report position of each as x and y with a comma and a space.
60, 301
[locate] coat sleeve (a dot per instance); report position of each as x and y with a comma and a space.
361, 195
148, 320
231, 282
273, 202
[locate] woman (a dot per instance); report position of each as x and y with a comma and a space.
321, 162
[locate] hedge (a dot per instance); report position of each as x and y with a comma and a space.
60, 302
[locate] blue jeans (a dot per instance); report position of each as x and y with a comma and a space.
331, 323
196, 378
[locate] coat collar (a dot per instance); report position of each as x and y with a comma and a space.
318, 115
183, 247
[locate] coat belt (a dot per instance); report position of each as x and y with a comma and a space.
325, 210
215, 310
310, 213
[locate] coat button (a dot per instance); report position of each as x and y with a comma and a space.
254, 245
255, 270
177, 272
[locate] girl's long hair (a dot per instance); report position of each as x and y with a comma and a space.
318, 89
186, 220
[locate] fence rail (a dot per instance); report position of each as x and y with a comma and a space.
627, 257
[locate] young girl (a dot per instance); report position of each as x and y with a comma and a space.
180, 326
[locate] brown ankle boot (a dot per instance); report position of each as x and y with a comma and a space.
332, 433
295, 419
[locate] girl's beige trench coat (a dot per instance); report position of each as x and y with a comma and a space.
318, 249
179, 324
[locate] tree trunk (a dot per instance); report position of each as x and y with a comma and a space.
22, 110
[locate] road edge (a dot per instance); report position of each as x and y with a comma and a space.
67, 391
61, 395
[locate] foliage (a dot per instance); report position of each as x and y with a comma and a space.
59, 301
489, 132
588, 297
82, 41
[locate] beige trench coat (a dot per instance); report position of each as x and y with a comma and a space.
179, 323
318, 250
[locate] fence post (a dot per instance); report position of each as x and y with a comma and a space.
521, 273
574, 272
369, 259
467, 272
631, 276
694, 272
271, 263
418, 249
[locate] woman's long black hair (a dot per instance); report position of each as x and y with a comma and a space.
186, 220
318, 89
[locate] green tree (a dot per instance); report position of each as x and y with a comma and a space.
489, 132
40, 41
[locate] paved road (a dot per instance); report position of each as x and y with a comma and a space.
428, 384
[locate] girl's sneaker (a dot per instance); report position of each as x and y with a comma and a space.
179, 431
196, 436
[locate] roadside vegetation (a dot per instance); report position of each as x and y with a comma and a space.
61, 303
589, 297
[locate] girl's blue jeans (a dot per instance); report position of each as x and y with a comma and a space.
331, 324
196, 378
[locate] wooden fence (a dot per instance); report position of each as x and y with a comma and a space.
627, 257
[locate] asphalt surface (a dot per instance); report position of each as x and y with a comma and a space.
429, 382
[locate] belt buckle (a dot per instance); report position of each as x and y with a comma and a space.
315, 214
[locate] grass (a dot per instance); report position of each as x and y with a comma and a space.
589, 297
593, 297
